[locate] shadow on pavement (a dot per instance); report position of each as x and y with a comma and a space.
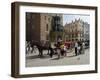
37, 56
55, 59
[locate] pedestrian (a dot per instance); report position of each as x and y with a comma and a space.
83, 47
76, 46
65, 50
51, 50
78, 50
28, 47
80, 47
58, 50
62, 49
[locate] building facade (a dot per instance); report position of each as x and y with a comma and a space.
45, 26
39, 25
86, 31
76, 30
32, 29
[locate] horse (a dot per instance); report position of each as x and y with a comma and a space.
42, 45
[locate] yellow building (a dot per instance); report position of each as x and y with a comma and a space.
74, 30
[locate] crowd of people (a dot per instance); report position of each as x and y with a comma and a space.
79, 47
63, 47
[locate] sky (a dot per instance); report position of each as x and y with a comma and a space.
67, 18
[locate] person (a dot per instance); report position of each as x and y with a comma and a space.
58, 51
62, 49
76, 46
65, 50
78, 49
51, 50
28, 47
59, 41
83, 47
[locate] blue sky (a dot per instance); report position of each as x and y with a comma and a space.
69, 17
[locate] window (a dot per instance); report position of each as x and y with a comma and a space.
47, 37
49, 19
46, 27
45, 17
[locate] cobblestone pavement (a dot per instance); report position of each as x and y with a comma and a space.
33, 60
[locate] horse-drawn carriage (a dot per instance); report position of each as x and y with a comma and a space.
52, 48
69, 44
